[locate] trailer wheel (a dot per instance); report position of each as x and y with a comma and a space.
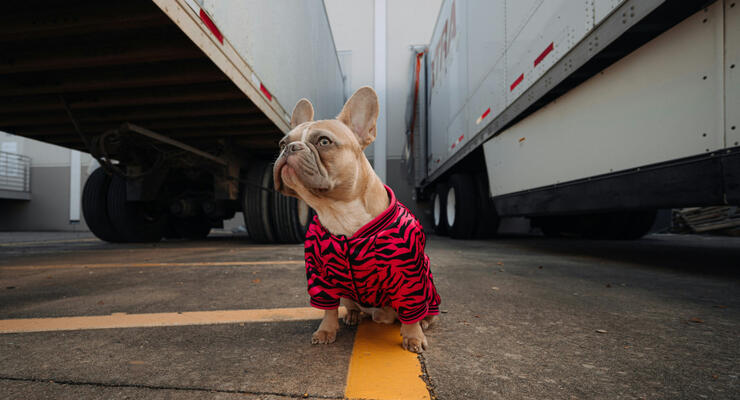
193, 228
439, 218
257, 201
95, 206
461, 206
488, 221
135, 221
292, 218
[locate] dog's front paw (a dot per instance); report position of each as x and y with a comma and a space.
415, 345
323, 337
414, 339
352, 318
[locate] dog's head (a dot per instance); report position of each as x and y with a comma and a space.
324, 159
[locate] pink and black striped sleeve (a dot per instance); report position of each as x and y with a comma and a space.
323, 295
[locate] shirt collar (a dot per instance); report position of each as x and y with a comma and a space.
381, 221
377, 224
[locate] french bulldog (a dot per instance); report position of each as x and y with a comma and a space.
364, 249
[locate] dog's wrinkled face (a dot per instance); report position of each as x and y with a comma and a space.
323, 159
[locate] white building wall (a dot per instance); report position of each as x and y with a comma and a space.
50, 205
408, 22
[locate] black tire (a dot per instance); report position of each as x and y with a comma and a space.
256, 202
439, 205
291, 217
461, 206
488, 221
134, 221
95, 206
193, 228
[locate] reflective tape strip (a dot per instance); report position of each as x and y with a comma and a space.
544, 54
483, 116
211, 26
516, 82
264, 91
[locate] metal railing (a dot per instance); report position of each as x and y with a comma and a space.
15, 172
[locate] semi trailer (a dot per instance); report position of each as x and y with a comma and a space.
585, 116
182, 102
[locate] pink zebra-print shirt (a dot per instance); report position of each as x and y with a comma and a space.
382, 264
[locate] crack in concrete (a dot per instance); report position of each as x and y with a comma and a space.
426, 378
154, 387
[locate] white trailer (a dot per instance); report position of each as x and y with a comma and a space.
181, 101
585, 115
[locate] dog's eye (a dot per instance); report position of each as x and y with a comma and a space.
324, 141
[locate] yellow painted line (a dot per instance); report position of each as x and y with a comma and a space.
380, 368
155, 265
41, 242
123, 320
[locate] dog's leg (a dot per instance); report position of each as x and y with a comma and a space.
327, 332
428, 321
413, 338
385, 315
353, 316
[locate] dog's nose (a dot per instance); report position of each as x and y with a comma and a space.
294, 147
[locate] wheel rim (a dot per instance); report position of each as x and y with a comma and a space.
303, 212
436, 210
451, 206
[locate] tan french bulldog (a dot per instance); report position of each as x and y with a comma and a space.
323, 163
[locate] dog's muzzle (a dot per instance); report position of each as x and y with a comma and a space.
304, 161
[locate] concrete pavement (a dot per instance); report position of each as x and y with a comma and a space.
524, 317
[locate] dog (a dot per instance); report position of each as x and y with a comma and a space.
364, 249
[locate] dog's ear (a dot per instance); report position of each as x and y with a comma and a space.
361, 114
302, 112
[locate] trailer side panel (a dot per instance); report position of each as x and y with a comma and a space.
662, 102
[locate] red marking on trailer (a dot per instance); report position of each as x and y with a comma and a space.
544, 54
265, 92
211, 26
516, 82
483, 116
460, 138
453, 145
